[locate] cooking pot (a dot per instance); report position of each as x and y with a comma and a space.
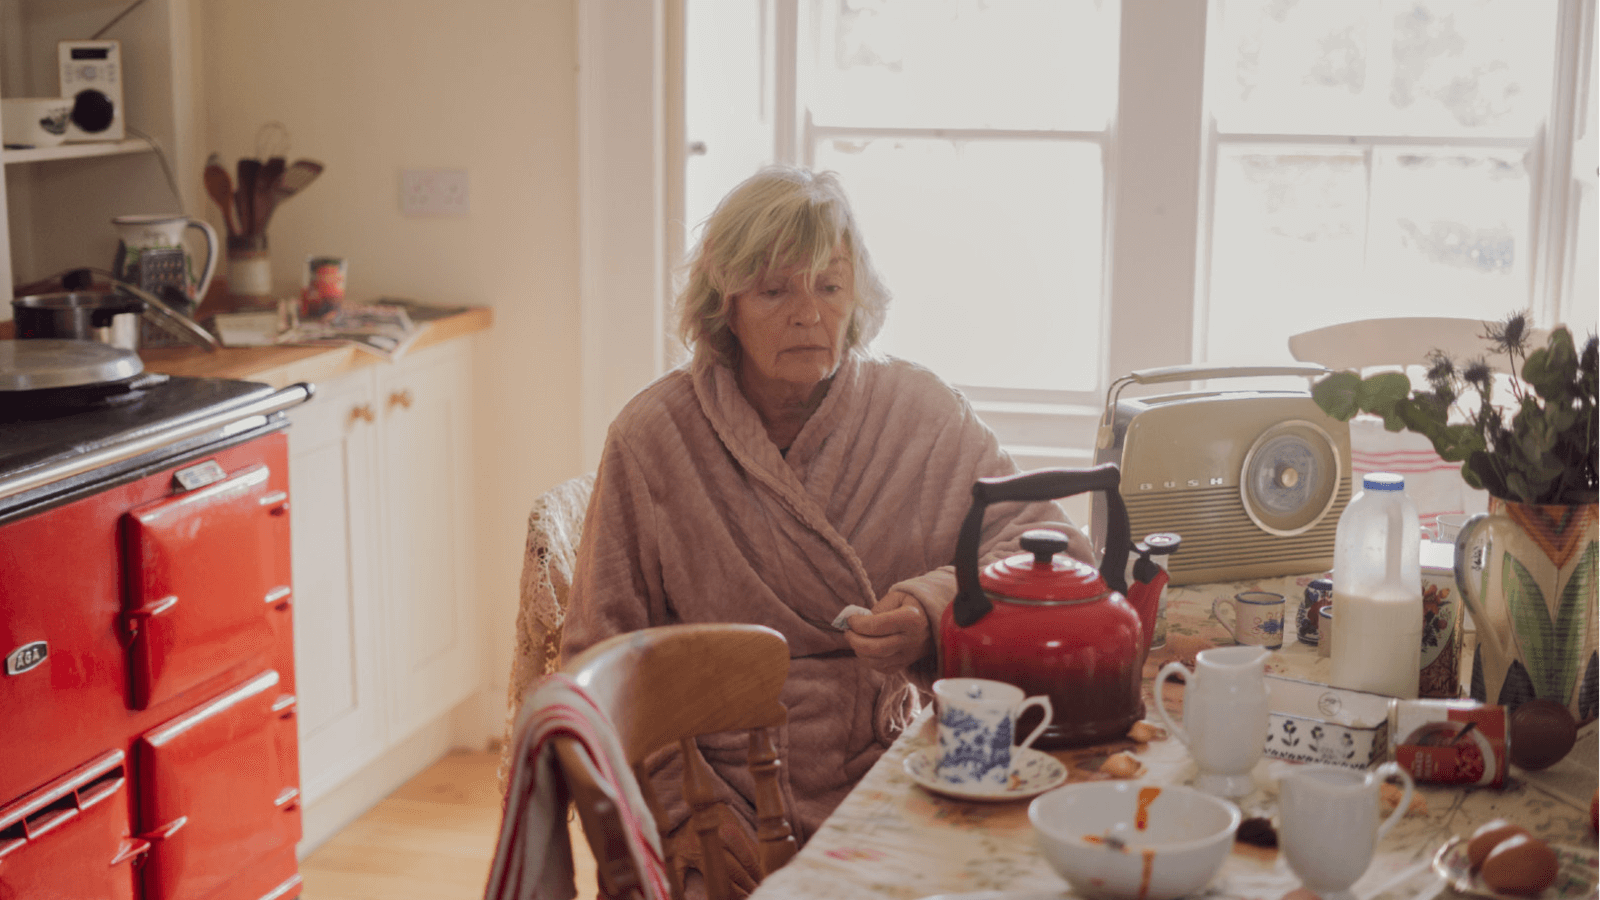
109, 317
1051, 624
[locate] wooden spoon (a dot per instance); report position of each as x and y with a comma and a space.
220, 187
249, 168
266, 183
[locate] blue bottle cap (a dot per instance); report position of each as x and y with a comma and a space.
1383, 481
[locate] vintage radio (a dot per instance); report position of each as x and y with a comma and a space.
1252, 481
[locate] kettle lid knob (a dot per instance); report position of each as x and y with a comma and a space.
1043, 543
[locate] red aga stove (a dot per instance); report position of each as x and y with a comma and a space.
148, 747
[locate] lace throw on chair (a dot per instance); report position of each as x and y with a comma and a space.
555, 526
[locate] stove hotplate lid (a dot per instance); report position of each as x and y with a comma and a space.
39, 364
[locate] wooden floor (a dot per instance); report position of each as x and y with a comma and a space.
433, 839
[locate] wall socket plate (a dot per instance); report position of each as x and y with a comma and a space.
434, 192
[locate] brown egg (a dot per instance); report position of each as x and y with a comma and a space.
1521, 864
1488, 835
1542, 732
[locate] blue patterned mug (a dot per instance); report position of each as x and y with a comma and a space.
977, 721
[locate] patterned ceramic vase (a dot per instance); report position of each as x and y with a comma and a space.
1528, 575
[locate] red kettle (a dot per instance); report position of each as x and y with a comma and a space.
1051, 624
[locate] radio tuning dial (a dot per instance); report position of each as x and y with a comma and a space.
1290, 478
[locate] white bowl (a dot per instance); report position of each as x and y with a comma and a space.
1094, 835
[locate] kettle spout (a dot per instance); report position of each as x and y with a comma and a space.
1150, 579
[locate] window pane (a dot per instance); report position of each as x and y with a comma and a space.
1400, 67
992, 250
728, 101
1297, 244
964, 63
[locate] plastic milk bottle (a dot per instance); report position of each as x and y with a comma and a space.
1377, 590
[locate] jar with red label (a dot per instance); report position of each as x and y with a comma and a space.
1450, 741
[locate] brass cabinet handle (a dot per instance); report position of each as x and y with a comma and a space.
363, 413
401, 398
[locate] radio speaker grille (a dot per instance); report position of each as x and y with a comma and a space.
1218, 542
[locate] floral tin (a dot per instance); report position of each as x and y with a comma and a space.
1311, 722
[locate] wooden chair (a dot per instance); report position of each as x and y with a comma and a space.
1402, 341
664, 686
555, 526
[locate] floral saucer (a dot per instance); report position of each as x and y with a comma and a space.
1033, 774
1576, 877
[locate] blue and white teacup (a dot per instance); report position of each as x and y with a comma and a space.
977, 720
1254, 618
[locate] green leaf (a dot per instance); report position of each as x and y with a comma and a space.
1453, 443
1553, 369
1379, 393
1336, 395
1458, 442
1488, 474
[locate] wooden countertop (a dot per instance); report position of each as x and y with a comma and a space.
283, 366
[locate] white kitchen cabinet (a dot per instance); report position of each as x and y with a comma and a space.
59, 200
337, 633
385, 640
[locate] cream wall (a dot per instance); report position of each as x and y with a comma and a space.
371, 87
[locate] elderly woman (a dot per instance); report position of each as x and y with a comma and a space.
782, 475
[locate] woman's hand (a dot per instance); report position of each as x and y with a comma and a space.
894, 635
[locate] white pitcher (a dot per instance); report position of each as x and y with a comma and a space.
145, 232
1224, 716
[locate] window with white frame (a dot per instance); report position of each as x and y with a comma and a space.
1351, 159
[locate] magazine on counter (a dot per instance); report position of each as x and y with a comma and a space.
381, 329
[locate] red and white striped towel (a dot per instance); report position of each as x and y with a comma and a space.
534, 857
1435, 486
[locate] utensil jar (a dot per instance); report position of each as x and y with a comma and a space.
249, 266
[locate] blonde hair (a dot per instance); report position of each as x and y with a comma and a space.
781, 218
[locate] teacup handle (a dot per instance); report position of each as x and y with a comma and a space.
1173, 728
1040, 701
1216, 612
1383, 773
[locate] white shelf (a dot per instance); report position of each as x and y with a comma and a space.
74, 151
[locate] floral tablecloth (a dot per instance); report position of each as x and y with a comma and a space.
892, 839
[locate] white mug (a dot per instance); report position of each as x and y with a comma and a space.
1328, 822
1255, 618
977, 720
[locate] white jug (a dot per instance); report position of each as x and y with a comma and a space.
1224, 716
145, 232
1328, 823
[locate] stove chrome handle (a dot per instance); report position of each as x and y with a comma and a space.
162, 832
133, 619
131, 847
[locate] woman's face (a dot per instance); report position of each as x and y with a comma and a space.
791, 329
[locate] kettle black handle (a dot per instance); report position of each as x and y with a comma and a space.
970, 604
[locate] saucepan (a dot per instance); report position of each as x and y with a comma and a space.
109, 317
